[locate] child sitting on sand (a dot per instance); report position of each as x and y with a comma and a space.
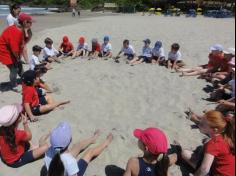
62, 160
155, 161
175, 57
146, 54
158, 54
215, 58
50, 54
66, 48
218, 156
82, 48
35, 62
33, 104
128, 51
106, 48
96, 50
16, 147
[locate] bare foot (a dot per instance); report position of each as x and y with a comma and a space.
109, 139
95, 136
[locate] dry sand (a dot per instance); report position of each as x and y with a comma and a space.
119, 98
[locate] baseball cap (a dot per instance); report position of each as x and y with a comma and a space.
230, 51
9, 114
65, 39
61, 136
28, 77
217, 47
158, 44
81, 40
154, 139
25, 17
147, 41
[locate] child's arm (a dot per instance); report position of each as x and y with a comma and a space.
26, 127
169, 63
129, 167
118, 55
29, 112
174, 66
46, 87
227, 103
205, 166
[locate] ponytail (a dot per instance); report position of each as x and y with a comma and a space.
56, 167
10, 137
162, 165
229, 134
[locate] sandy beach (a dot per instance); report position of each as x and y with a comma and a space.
118, 98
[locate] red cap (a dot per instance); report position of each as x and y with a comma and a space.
154, 139
25, 17
65, 39
81, 40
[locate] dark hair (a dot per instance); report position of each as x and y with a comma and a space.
162, 166
9, 136
48, 41
14, 7
56, 167
37, 48
28, 77
126, 42
40, 70
175, 46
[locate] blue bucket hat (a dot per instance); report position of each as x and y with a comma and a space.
158, 44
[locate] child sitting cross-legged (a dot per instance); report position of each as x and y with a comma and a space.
34, 104
82, 48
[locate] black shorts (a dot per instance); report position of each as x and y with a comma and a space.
146, 59
36, 110
82, 165
160, 58
26, 158
129, 56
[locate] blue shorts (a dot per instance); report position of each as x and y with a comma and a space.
26, 158
82, 165
36, 110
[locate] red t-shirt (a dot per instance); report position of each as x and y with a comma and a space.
224, 66
215, 60
30, 96
11, 40
96, 47
9, 156
224, 160
67, 47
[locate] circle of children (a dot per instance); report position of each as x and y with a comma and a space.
217, 156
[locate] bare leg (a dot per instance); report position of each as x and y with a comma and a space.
173, 158
94, 152
43, 147
77, 148
50, 107
195, 73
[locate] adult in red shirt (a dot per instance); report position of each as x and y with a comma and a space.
12, 43
218, 157
67, 48
15, 143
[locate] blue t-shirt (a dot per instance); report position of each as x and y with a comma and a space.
84, 46
147, 51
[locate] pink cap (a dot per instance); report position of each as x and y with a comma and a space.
9, 114
25, 17
154, 139
232, 62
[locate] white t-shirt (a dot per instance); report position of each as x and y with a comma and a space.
49, 52
84, 46
106, 47
34, 60
129, 50
69, 162
11, 20
147, 51
232, 84
158, 52
175, 56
